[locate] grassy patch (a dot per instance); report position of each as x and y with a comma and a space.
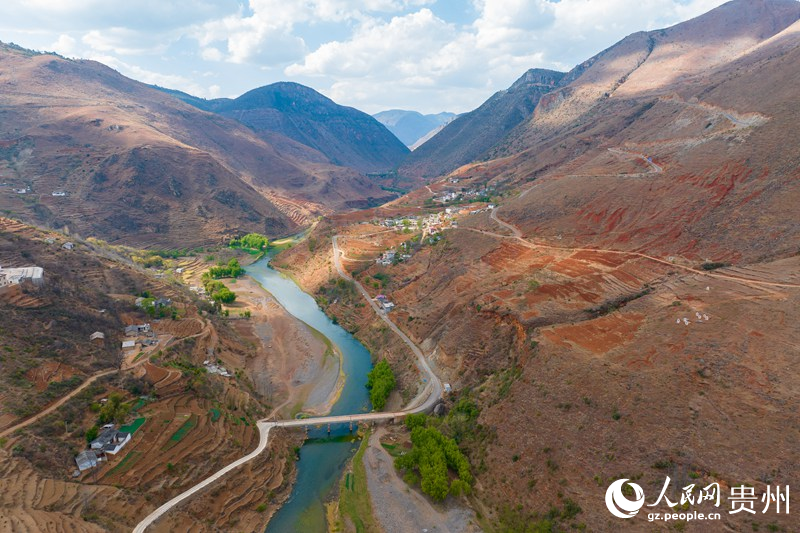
133, 426
176, 437
354, 502
215, 414
127, 462
392, 449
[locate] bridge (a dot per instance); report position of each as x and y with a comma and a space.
423, 403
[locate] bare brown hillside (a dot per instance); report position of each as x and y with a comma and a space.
138, 165
629, 308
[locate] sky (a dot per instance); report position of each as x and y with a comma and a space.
423, 55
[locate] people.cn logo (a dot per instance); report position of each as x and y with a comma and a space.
619, 505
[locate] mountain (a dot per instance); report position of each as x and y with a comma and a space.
706, 102
346, 136
468, 137
632, 301
411, 126
140, 166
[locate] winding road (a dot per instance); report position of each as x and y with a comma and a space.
424, 402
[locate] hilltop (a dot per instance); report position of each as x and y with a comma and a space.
346, 136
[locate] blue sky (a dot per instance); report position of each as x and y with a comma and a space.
425, 55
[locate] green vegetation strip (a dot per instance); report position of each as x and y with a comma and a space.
176, 437
215, 414
354, 502
132, 427
380, 382
127, 462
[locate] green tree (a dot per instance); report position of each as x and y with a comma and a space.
380, 382
224, 295
92, 433
433, 455
114, 410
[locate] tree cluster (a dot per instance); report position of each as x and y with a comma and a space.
432, 457
232, 270
380, 382
114, 410
253, 241
219, 292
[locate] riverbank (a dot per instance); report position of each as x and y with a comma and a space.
297, 366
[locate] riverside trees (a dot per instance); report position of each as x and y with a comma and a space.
380, 382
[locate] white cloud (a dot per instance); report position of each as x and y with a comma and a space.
373, 53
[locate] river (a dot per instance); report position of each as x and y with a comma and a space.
322, 457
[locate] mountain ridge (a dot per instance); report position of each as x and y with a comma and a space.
346, 136
469, 136
141, 166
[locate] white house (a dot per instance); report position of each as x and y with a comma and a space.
110, 441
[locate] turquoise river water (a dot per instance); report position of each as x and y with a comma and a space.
323, 456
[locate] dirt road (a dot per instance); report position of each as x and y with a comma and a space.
58, 403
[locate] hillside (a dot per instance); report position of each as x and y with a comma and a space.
651, 149
141, 167
468, 137
630, 304
55, 381
346, 136
411, 126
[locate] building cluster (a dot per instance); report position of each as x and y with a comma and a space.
212, 368
16, 276
463, 194
139, 334
109, 442
387, 258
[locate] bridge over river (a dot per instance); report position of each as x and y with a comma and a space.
423, 403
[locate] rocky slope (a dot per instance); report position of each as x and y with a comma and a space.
469, 136
346, 136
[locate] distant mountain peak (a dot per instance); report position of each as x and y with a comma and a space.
412, 126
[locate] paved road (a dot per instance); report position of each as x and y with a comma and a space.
424, 402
